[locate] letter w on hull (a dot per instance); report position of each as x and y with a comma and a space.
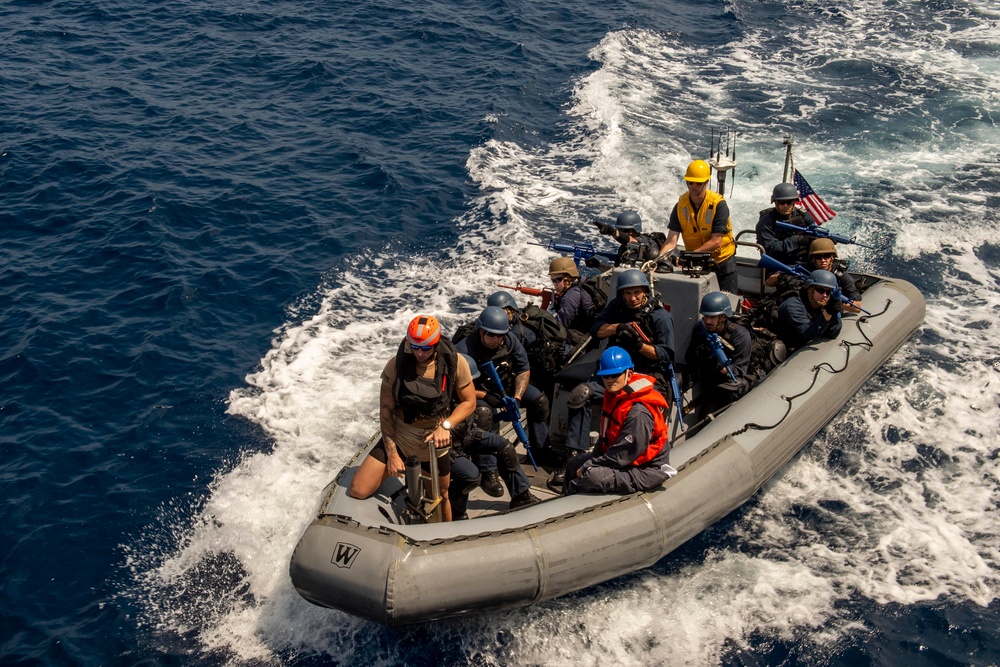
344, 554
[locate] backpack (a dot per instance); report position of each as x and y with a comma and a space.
547, 354
463, 331
598, 291
766, 349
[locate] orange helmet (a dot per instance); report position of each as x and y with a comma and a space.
424, 331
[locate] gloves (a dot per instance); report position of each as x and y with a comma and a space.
605, 229
834, 306
592, 262
804, 241
628, 338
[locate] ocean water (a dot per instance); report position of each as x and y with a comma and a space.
218, 217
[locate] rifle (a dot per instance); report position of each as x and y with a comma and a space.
816, 231
771, 264
678, 397
715, 343
580, 251
511, 412
543, 292
674, 387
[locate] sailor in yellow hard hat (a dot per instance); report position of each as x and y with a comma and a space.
701, 217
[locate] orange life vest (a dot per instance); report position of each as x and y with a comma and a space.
640, 390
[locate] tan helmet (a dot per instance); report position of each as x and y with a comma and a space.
563, 265
822, 247
698, 172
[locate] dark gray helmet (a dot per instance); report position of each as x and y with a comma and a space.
629, 220
784, 192
473, 366
493, 320
823, 279
631, 278
501, 299
716, 303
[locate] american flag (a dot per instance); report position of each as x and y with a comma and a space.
816, 206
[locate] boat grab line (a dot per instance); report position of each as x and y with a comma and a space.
867, 344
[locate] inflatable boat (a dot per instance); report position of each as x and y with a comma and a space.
368, 558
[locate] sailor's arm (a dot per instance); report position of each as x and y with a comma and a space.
386, 406
714, 242
633, 439
466, 406
520, 385
670, 244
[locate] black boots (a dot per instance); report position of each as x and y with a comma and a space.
490, 483
523, 500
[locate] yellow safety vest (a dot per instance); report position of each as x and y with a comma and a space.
696, 226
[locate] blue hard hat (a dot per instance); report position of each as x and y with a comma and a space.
501, 299
823, 279
614, 361
493, 320
716, 303
473, 366
629, 220
631, 278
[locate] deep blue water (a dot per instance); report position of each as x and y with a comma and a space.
217, 215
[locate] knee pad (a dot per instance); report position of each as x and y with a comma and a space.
483, 417
541, 409
779, 352
580, 396
507, 457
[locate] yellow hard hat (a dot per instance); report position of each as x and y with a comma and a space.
698, 172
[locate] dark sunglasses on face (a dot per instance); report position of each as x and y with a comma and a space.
831, 256
421, 347
822, 291
492, 335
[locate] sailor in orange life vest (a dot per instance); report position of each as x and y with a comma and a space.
426, 387
632, 450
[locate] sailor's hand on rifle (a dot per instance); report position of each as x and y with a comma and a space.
592, 262
834, 305
804, 241
628, 338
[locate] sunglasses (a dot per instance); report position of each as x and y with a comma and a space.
786, 203
831, 256
559, 279
488, 334
822, 291
421, 347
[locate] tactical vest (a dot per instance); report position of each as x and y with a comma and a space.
422, 398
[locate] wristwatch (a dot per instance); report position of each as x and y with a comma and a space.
446, 425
